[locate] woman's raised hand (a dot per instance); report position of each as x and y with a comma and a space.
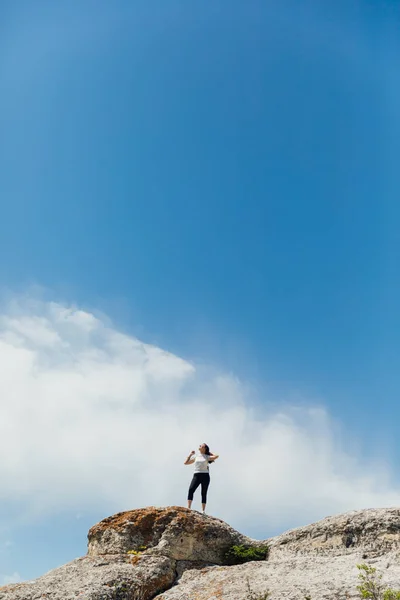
189, 460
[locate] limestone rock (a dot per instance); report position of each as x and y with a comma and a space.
175, 532
98, 578
374, 531
184, 555
293, 578
319, 561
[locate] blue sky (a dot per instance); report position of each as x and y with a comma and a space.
221, 180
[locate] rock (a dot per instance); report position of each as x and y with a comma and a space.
296, 578
184, 559
319, 561
375, 531
99, 578
175, 532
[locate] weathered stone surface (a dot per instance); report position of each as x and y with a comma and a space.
176, 532
374, 531
293, 578
319, 560
99, 578
183, 560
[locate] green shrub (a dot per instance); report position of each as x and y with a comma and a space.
236, 555
371, 587
370, 583
391, 595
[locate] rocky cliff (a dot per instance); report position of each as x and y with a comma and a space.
176, 554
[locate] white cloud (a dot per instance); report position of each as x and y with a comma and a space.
13, 578
92, 418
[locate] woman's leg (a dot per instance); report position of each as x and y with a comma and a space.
205, 482
192, 488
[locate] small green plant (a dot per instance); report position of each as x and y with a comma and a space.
371, 587
252, 595
391, 595
138, 551
237, 555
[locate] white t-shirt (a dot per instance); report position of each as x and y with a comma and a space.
201, 463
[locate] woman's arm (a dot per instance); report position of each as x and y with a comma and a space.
190, 460
213, 457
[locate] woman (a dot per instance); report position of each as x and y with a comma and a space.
201, 475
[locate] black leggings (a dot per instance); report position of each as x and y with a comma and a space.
204, 480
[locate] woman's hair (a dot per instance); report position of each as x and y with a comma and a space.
208, 452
